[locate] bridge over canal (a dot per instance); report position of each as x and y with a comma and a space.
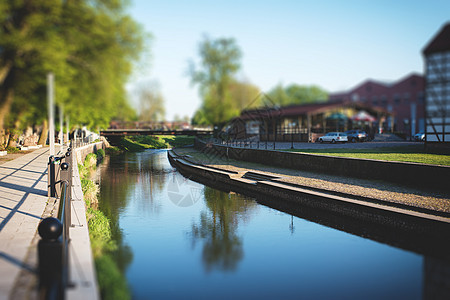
114, 135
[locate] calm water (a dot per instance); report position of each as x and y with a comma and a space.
183, 240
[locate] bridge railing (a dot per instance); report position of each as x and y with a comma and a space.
80, 142
53, 248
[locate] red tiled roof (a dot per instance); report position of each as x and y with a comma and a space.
287, 111
441, 42
303, 109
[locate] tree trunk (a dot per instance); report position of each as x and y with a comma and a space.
12, 142
2, 138
5, 107
14, 136
5, 70
44, 134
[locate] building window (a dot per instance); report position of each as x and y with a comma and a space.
406, 97
421, 97
397, 99
383, 100
374, 101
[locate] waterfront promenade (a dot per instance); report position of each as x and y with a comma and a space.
23, 203
23, 199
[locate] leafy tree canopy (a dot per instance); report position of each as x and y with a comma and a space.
297, 94
219, 63
90, 46
151, 102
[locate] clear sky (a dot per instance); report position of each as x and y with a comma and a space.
333, 44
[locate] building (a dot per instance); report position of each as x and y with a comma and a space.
305, 123
437, 97
403, 99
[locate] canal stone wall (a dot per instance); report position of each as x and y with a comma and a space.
413, 230
82, 269
82, 152
423, 175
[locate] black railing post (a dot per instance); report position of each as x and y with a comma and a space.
50, 255
51, 177
66, 171
53, 249
65, 174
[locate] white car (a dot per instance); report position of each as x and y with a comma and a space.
334, 137
420, 136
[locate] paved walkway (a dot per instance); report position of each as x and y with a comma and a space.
23, 198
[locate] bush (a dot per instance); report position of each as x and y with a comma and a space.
113, 285
10, 149
128, 145
100, 154
82, 171
179, 141
99, 232
150, 142
90, 161
112, 150
90, 191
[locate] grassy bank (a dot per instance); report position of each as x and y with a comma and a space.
140, 143
413, 154
112, 283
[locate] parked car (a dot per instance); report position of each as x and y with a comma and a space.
356, 135
420, 137
334, 137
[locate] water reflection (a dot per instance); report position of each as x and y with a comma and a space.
124, 178
179, 239
217, 229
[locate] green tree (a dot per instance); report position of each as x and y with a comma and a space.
28, 44
220, 61
244, 95
297, 94
199, 118
151, 103
90, 46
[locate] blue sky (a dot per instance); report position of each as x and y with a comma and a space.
333, 44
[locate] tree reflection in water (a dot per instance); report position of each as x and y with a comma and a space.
126, 177
217, 229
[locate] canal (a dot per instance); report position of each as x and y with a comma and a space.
183, 240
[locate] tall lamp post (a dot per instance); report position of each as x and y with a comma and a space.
51, 112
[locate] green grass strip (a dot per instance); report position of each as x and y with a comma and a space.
414, 154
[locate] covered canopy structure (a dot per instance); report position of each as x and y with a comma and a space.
363, 116
302, 122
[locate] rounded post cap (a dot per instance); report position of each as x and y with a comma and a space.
50, 228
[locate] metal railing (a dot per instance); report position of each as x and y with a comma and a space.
249, 144
53, 248
80, 142
77, 142
55, 165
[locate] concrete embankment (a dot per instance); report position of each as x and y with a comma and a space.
412, 174
414, 228
82, 269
